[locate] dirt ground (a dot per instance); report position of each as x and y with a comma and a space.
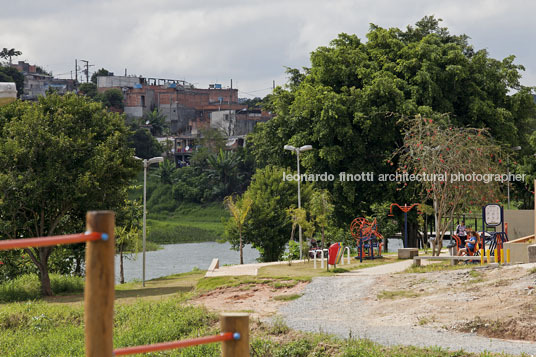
260, 300
493, 302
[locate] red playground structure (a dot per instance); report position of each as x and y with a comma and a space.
367, 238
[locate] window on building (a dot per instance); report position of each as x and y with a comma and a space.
143, 101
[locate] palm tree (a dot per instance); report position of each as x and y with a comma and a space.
239, 210
223, 166
5, 53
157, 121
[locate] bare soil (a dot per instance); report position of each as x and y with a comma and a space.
495, 302
260, 300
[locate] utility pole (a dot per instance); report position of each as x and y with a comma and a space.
76, 70
87, 69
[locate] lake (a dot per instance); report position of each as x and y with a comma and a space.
182, 258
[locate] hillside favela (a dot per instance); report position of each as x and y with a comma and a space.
267, 179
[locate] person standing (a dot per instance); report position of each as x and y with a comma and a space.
461, 231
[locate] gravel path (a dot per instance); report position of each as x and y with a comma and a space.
335, 305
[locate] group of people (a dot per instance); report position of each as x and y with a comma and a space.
468, 238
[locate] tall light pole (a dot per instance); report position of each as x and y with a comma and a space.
515, 148
298, 150
146, 164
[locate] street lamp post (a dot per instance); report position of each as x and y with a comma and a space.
298, 150
146, 164
515, 148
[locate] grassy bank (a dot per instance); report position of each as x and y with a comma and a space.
170, 221
188, 223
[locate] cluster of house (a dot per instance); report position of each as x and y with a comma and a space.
187, 109
38, 83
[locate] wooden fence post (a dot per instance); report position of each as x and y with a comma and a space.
100, 284
235, 322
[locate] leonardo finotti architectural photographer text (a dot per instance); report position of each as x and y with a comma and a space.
406, 177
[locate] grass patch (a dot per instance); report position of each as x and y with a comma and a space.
306, 269
28, 287
246, 282
532, 271
42, 329
287, 297
441, 266
397, 294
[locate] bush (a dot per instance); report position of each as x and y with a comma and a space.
28, 287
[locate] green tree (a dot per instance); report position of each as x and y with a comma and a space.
268, 225
157, 122
111, 98
128, 229
8, 53
10, 74
351, 102
321, 209
239, 210
88, 89
223, 168
100, 73
165, 171
144, 144
59, 157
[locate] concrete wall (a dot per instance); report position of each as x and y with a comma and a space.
520, 223
224, 120
178, 117
116, 81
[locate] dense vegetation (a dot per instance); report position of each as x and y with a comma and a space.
60, 157
353, 106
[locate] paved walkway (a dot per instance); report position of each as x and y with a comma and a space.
242, 269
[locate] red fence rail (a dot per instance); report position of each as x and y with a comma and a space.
52, 240
99, 294
227, 336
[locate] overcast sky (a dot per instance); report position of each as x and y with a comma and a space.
249, 41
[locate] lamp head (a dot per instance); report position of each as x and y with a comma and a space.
154, 160
306, 148
289, 147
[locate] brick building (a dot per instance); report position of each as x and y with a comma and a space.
187, 109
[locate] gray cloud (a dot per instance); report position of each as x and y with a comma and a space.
248, 41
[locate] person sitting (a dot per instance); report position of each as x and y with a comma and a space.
470, 244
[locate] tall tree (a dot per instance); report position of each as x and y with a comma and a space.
267, 225
8, 53
59, 157
128, 230
350, 104
459, 168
